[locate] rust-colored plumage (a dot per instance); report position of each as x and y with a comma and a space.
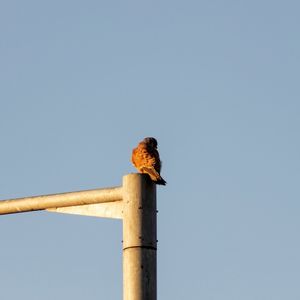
145, 158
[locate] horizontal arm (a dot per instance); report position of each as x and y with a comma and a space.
60, 200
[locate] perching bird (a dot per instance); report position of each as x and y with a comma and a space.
145, 158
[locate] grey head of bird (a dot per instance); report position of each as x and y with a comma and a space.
151, 141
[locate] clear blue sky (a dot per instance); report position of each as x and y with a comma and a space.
216, 82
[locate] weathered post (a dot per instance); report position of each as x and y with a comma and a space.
139, 238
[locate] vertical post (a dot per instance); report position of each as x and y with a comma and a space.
139, 238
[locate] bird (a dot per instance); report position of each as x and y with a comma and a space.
145, 158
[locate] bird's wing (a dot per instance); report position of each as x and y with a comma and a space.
151, 172
141, 157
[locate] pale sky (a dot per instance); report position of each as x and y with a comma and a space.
216, 82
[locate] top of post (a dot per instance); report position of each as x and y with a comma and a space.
138, 179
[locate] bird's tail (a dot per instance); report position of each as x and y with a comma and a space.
161, 181
154, 175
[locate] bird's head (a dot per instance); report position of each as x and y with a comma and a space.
151, 141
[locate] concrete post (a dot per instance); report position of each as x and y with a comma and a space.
139, 238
